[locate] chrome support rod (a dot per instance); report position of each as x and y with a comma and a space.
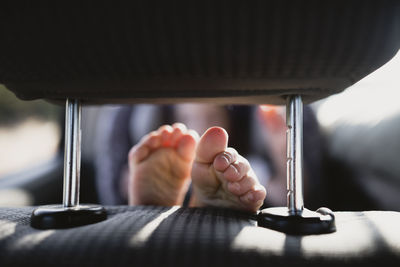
72, 153
294, 145
70, 213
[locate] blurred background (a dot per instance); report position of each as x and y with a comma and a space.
362, 126
30, 132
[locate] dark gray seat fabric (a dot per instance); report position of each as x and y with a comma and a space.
165, 236
218, 51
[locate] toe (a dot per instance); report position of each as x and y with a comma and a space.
242, 186
138, 153
153, 140
186, 147
224, 159
165, 132
212, 142
180, 126
141, 150
237, 170
178, 130
254, 198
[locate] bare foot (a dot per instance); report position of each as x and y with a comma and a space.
223, 178
160, 166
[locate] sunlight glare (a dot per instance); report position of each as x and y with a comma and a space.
141, 237
367, 102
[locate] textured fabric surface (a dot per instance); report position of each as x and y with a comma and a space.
223, 51
158, 236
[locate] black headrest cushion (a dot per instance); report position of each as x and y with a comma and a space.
219, 50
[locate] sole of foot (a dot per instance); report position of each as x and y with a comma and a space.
160, 166
223, 178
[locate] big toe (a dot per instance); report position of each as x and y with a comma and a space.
212, 142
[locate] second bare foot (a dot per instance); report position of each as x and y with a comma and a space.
160, 166
223, 178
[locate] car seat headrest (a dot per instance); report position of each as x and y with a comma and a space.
174, 51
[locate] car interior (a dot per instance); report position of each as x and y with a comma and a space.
85, 56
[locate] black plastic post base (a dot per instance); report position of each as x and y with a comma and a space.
308, 222
57, 216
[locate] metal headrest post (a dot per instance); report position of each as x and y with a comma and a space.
70, 213
294, 154
295, 219
72, 153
